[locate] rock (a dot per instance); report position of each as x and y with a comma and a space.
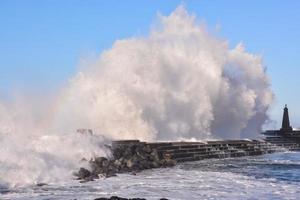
83, 173
117, 153
118, 198
96, 169
144, 164
141, 155
111, 170
155, 164
118, 163
41, 184
128, 153
87, 179
101, 161
129, 163
168, 162
154, 155
147, 149
110, 174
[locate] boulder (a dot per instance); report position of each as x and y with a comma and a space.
168, 162
118, 198
101, 161
83, 173
147, 149
118, 164
129, 163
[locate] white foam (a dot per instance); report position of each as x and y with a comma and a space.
171, 183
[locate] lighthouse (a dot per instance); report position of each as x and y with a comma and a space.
286, 127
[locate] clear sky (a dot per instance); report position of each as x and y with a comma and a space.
41, 42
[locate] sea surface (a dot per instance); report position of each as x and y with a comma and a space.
273, 176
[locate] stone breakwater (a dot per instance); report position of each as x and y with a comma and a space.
134, 155
127, 156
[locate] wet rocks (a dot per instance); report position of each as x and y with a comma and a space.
41, 184
120, 198
126, 157
83, 173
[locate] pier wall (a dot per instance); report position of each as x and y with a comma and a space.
134, 155
193, 151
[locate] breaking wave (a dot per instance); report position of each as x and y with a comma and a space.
179, 81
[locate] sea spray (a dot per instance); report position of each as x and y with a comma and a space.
30, 155
177, 82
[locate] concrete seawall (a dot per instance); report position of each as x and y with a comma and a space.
193, 151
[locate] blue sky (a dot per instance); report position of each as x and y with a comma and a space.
41, 42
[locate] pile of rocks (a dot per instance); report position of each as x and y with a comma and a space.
126, 157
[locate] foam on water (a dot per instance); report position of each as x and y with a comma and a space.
239, 178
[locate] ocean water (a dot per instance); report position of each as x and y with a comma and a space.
273, 176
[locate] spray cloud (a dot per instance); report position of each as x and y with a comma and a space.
178, 82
